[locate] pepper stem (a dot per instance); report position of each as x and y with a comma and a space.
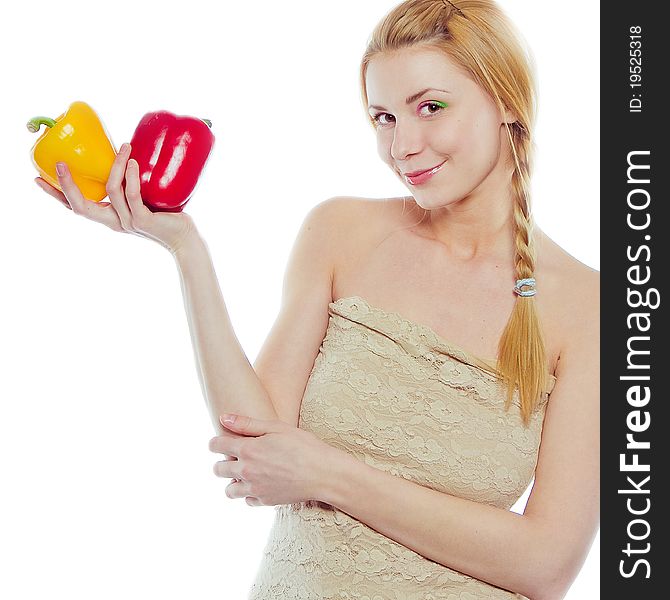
36, 122
209, 123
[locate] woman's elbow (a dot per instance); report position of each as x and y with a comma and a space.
554, 581
551, 588
554, 567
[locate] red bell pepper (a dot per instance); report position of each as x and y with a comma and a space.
171, 151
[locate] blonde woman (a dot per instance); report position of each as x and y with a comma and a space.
432, 355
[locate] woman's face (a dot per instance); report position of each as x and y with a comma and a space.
455, 125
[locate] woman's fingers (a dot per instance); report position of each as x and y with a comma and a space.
56, 193
228, 468
52, 191
137, 207
72, 193
115, 190
228, 443
82, 206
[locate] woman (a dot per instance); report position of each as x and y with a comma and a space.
373, 418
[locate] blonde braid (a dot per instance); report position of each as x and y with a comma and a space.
521, 349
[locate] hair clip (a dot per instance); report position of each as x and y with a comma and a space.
458, 10
530, 281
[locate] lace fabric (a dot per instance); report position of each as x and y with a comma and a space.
404, 400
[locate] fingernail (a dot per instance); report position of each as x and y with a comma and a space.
61, 169
124, 148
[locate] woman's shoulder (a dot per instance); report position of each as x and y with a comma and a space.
368, 220
384, 209
558, 267
569, 288
362, 224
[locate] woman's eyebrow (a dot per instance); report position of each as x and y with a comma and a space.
413, 97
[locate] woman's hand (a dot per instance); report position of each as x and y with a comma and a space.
125, 213
270, 462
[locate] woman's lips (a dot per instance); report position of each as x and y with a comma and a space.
423, 177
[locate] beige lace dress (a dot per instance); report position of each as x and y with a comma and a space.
404, 400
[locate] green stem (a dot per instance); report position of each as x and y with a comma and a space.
209, 123
36, 122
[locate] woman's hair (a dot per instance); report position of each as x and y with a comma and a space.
478, 37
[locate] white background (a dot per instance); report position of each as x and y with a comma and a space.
108, 488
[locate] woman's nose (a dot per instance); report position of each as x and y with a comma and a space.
406, 141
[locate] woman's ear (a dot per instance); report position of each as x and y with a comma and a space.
509, 117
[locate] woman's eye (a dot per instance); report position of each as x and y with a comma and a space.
380, 118
439, 105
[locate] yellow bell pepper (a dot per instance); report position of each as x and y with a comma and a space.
78, 138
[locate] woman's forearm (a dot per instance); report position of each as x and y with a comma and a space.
229, 382
512, 551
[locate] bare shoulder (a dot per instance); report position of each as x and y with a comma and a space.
382, 212
335, 222
343, 213
561, 268
572, 298
359, 224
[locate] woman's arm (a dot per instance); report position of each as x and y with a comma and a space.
537, 554
229, 382
485, 542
